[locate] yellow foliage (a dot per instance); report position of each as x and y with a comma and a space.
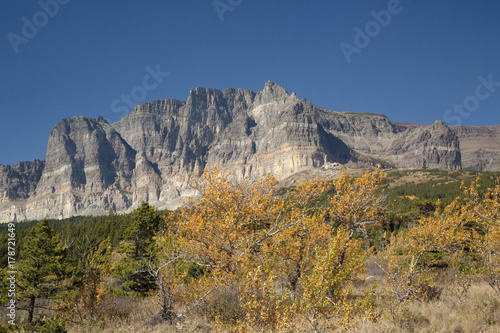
291, 256
466, 234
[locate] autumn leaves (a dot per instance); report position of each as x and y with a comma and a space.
290, 256
293, 257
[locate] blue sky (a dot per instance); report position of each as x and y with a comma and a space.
418, 60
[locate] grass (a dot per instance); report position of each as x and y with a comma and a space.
478, 312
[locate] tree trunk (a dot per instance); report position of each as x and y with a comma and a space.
31, 309
167, 311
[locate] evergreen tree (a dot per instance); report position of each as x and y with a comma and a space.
41, 268
146, 221
137, 249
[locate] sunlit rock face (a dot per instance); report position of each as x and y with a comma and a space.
93, 167
479, 146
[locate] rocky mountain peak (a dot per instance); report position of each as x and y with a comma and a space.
272, 92
438, 125
202, 98
101, 119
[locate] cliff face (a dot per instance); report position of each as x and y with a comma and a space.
480, 147
19, 181
93, 167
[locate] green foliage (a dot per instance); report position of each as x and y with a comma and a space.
194, 272
417, 197
82, 231
436, 259
88, 281
42, 266
146, 221
50, 325
6, 328
75, 232
137, 250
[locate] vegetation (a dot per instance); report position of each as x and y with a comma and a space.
373, 252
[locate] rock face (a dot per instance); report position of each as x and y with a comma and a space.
93, 167
19, 181
480, 147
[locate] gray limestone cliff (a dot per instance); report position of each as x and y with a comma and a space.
480, 147
93, 167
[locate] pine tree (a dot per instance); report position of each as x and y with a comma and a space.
41, 268
146, 222
136, 250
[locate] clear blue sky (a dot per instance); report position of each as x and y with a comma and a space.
87, 54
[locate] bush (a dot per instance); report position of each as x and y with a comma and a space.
41, 325
6, 328
50, 325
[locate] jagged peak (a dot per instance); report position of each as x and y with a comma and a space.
274, 88
67, 125
271, 92
101, 119
203, 96
439, 124
203, 91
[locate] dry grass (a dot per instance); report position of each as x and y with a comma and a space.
127, 315
478, 312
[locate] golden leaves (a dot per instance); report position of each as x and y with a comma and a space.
291, 256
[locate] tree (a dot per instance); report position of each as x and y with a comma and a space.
317, 255
136, 250
464, 234
167, 268
224, 225
146, 221
289, 256
483, 216
41, 268
89, 288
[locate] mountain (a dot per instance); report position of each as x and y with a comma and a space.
92, 167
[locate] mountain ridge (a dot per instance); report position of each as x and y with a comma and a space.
92, 167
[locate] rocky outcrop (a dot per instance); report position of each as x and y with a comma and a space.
93, 167
19, 181
480, 147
